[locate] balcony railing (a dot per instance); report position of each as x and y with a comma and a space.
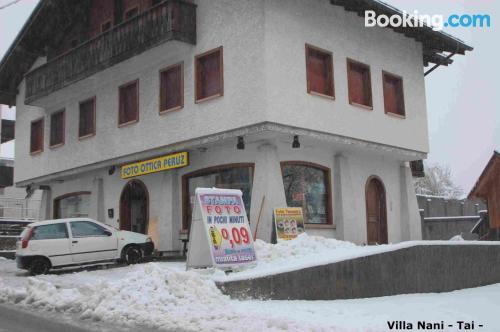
170, 20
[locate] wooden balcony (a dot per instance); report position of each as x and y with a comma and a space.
169, 20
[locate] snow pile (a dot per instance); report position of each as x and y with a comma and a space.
303, 246
151, 295
302, 252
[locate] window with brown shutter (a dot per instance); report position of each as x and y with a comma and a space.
129, 103
209, 75
319, 67
57, 129
172, 88
86, 122
359, 84
36, 139
394, 103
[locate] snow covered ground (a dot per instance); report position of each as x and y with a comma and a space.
164, 295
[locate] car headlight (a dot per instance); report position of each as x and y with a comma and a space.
149, 239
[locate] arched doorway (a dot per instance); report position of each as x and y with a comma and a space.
376, 213
134, 207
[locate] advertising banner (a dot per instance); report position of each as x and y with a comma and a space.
289, 223
220, 225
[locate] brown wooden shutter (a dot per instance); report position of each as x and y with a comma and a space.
129, 98
57, 128
209, 74
393, 94
86, 125
319, 71
359, 84
171, 86
36, 139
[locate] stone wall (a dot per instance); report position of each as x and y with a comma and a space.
417, 269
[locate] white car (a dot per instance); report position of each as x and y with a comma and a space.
77, 241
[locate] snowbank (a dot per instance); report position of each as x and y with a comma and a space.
154, 295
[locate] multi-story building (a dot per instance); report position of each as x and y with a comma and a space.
296, 103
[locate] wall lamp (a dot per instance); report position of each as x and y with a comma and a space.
296, 143
241, 143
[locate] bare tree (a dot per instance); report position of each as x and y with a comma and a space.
438, 182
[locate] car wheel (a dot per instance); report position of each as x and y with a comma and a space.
132, 255
39, 265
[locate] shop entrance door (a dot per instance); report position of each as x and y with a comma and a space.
134, 207
376, 220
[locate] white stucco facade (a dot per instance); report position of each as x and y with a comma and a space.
265, 101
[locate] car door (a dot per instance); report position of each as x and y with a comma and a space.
91, 242
51, 241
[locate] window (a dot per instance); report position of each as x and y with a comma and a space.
171, 88
36, 140
129, 103
319, 71
359, 81
57, 129
209, 75
87, 229
105, 26
86, 123
47, 232
73, 205
131, 12
308, 186
393, 94
233, 176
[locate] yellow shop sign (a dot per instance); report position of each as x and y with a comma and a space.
175, 160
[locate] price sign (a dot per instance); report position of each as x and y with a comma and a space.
220, 223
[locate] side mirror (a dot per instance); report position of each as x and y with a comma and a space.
108, 233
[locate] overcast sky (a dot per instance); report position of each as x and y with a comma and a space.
463, 114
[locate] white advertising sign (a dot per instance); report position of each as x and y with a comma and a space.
220, 235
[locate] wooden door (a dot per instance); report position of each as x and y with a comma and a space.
376, 220
125, 222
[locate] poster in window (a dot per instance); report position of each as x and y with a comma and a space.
289, 223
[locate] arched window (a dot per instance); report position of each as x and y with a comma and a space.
307, 185
72, 205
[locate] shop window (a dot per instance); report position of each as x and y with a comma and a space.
308, 186
73, 205
359, 84
36, 139
86, 123
235, 176
319, 70
129, 103
57, 129
209, 75
393, 94
171, 88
